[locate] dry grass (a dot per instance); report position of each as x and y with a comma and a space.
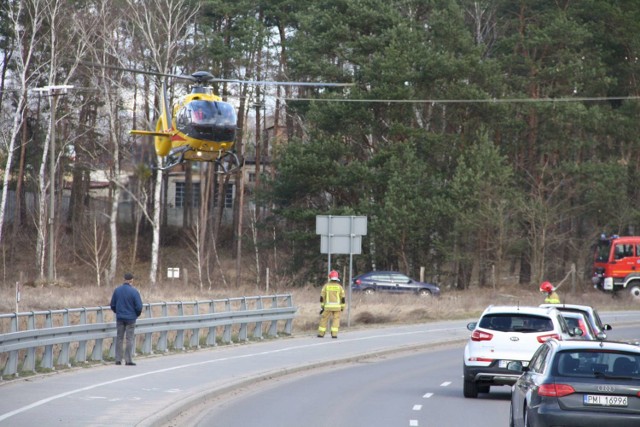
365, 311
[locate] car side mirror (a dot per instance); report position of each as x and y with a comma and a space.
607, 327
471, 326
576, 332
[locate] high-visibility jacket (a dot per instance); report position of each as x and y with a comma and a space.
332, 297
552, 298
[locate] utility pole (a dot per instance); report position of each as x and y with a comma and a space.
53, 92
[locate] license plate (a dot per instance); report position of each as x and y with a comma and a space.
603, 400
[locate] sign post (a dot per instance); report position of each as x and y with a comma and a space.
341, 235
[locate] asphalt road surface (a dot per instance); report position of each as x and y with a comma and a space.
161, 388
419, 389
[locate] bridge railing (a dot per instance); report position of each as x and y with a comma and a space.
45, 339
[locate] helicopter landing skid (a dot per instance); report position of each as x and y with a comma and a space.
229, 163
174, 158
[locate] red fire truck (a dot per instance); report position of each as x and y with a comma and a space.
616, 264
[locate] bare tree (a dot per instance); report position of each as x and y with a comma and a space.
94, 249
26, 40
163, 26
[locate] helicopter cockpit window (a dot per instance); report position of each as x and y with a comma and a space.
208, 120
200, 111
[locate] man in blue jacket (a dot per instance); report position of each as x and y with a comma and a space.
126, 303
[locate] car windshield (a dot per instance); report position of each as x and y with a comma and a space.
602, 251
598, 363
510, 322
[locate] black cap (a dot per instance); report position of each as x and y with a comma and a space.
128, 276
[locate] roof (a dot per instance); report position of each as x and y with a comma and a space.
569, 306
541, 311
597, 345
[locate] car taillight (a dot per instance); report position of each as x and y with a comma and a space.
555, 390
358, 282
543, 338
481, 336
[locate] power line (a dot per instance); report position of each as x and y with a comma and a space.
467, 101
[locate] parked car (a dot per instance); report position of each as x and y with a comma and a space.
579, 320
392, 281
578, 383
505, 334
590, 312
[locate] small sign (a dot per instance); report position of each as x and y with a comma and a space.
173, 272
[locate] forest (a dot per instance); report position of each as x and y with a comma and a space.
488, 143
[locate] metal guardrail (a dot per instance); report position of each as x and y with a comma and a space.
71, 334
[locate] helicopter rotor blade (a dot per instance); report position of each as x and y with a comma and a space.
274, 83
138, 71
204, 76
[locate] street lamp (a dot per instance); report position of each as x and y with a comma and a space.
53, 92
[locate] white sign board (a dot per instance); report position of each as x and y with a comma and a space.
341, 225
341, 245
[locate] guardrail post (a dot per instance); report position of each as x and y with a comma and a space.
273, 327
288, 327
179, 342
257, 331
30, 356
163, 340
226, 335
195, 333
11, 366
96, 354
63, 356
211, 335
242, 334
81, 352
47, 357
147, 344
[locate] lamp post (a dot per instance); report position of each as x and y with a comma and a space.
53, 92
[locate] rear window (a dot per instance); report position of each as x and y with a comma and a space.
588, 364
518, 322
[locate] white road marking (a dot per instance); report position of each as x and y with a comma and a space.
445, 384
413, 423
417, 407
427, 395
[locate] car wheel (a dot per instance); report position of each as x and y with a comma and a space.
424, 292
369, 291
484, 389
634, 290
470, 389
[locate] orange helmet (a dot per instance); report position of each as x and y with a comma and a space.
546, 287
333, 275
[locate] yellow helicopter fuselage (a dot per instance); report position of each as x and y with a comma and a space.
201, 126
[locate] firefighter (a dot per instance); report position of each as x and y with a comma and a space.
552, 297
332, 304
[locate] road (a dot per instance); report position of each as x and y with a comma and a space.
159, 388
420, 389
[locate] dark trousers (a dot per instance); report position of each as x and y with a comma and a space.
125, 332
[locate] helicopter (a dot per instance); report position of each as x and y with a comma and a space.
201, 126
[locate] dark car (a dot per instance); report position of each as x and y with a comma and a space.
578, 383
392, 281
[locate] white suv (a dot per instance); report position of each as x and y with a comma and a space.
507, 334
